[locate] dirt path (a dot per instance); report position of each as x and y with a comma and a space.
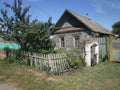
7, 87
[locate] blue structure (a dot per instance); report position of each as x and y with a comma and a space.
10, 46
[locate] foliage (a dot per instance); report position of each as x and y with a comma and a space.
116, 28
38, 36
75, 64
75, 61
11, 55
7, 51
14, 26
30, 35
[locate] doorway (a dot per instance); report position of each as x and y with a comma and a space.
93, 55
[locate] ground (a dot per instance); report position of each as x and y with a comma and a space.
104, 76
7, 87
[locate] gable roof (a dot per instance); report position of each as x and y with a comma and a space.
87, 22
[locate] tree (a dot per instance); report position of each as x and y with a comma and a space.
116, 28
14, 26
38, 36
32, 35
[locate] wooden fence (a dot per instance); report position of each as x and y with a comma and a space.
52, 63
116, 50
103, 47
116, 54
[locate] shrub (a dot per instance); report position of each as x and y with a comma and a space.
75, 59
75, 64
13, 56
7, 51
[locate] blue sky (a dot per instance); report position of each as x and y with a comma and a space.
104, 12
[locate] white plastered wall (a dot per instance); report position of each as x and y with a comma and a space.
88, 53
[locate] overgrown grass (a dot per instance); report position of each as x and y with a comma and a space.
104, 76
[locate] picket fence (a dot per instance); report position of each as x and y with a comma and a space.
52, 63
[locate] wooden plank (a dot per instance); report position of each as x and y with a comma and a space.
116, 55
57, 62
103, 46
110, 51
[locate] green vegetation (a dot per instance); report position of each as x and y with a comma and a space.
31, 35
104, 76
116, 29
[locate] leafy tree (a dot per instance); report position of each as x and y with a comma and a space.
116, 28
32, 35
38, 36
14, 26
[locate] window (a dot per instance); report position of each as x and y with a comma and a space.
77, 41
62, 42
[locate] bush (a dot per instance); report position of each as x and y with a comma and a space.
75, 64
13, 56
11, 52
7, 51
75, 60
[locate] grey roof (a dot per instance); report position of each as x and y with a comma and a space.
87, 22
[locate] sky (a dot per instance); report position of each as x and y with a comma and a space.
104, 12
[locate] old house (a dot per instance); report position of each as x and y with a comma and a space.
75, 29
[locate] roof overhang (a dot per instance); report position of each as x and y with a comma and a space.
70, 29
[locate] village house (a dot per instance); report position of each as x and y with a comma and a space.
75, 29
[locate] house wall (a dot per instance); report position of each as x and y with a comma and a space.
103, 41
69, 39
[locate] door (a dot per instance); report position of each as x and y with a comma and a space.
93, 55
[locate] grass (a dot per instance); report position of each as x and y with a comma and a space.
104, 76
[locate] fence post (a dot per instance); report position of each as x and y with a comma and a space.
110, 49
50, 62
35, 60
31, 61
